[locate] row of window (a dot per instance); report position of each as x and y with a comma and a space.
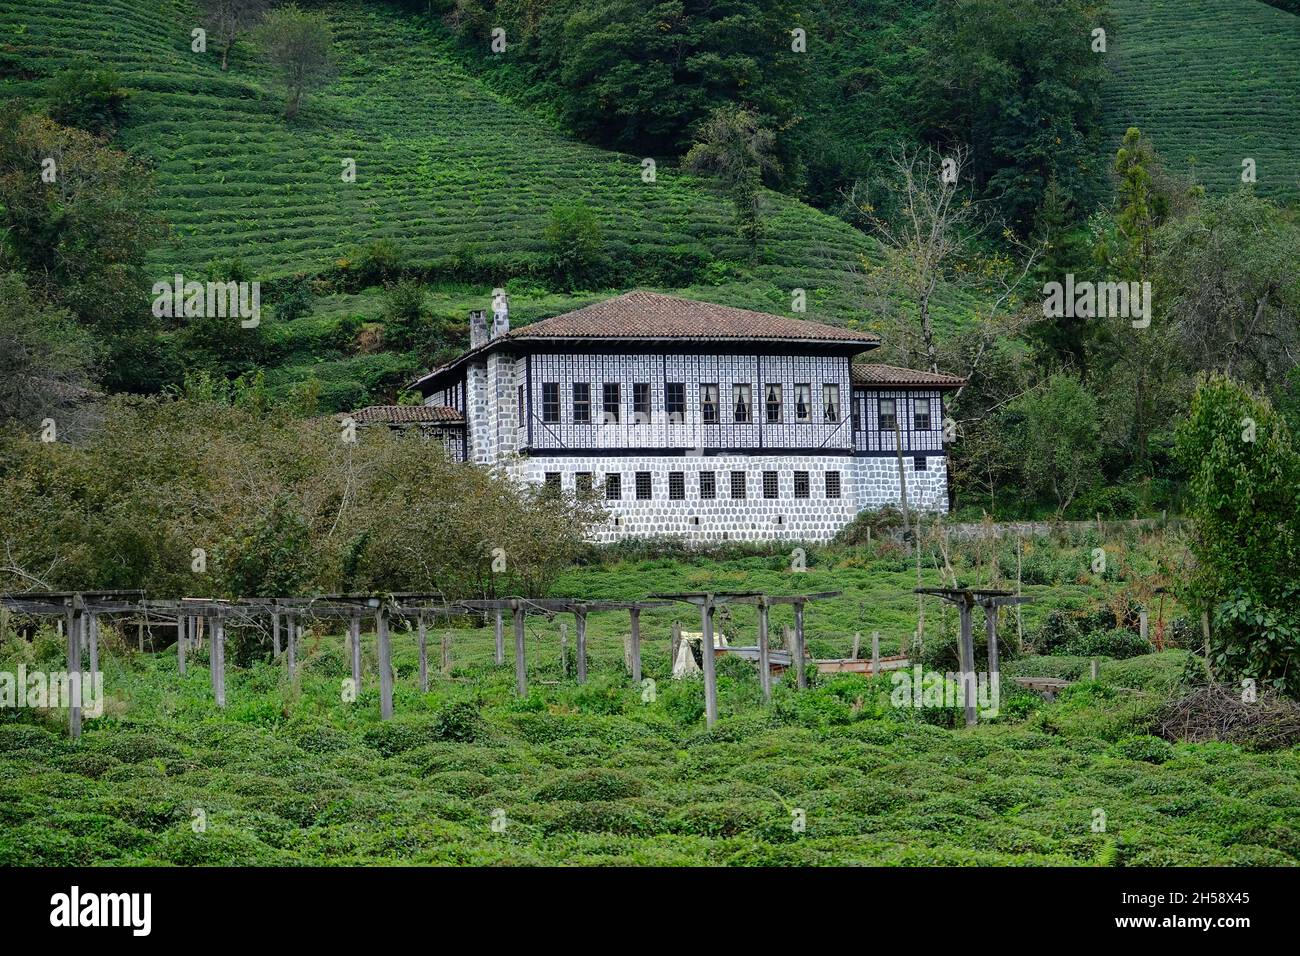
740, 409
707, 484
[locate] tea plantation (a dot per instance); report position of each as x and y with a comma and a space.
1213, 82
607, 773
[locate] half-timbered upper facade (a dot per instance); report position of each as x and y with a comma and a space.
696, 419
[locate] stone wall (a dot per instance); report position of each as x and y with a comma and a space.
816, 518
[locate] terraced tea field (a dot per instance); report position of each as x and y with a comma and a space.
1213, 82
444, 166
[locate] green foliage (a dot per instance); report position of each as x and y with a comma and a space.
405, 313
1057, 432
575, 248
1206, 111
1245, 502
87, 98
1017, 81
298, 43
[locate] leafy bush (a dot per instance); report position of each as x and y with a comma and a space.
87, 98
1145, 748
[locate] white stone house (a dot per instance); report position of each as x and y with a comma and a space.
696, 420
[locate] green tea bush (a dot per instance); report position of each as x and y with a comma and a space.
1145, 747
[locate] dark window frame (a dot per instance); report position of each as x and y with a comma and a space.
921, 415
802, 484
611, 409
644, 481
739, 480
891, 416
551, 403
613, 486
640, 403
834, 486
676, 486
769, 405
675, 401
742, 403
708, 485
803, 409
582, 406
829, 388
771, 484
709, 411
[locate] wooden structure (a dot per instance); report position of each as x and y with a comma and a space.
965, 600
708, 601
197, 617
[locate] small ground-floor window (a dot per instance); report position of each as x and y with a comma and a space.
771, 486
643, 485
613, 486
832, 484
919, 463
737, 484
676, 485
801, 484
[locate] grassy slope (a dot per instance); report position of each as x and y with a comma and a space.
598, 774
1214, 81
441, 160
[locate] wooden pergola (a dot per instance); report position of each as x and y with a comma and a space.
966, 600
706, 601
286, 614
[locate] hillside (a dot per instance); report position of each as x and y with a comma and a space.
1213, 82
445, 167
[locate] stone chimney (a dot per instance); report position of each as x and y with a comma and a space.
478, 330
500, 313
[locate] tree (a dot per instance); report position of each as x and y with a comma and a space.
575, 247
1138, 359
227, 19
46, 355
1056, 437
1245, 508
928, 244
82, 234
1017, 82
1227, 274
736, 146
297, 42
88, 99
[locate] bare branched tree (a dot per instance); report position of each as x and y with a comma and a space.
227, 19
928, 242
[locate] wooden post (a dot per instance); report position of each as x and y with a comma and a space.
92, 642
219, 658
1142, 625
875, 653
765, 650
355, 625
710, 672
902, 474
275, 635
580, 641
1093, 670
991, 632
501, 640
787, 640
423, 638
564, 648
385, 665
182, 625
968, 662
291, 628
139, 633
857, 643
521, 664
801, 675
76, 619
635, 614
674, 644
446, 650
